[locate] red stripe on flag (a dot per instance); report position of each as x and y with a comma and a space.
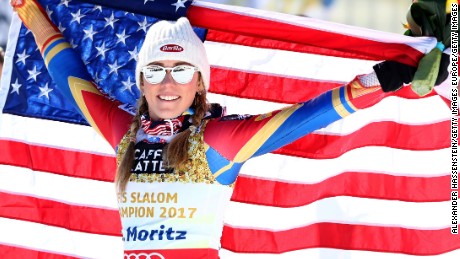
69, 163
13, 252
58, 161
341, 236
189, 253
265, 87
408, 137
258, 42
57, 214
355, 184
227, 21
273, 88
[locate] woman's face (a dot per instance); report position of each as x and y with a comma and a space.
169, 99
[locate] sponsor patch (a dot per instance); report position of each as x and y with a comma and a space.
171, 48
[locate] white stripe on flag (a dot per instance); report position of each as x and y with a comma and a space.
54, 134
342, 209
384, 160
59, 240
286, 63
392, 108
68, 190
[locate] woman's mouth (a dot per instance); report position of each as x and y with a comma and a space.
168, 97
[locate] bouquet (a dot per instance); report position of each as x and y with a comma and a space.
429, 18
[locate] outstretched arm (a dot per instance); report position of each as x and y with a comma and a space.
233, 140
69, 73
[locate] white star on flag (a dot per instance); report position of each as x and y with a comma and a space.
110, 21
33, 73
127, 85
16, 87
22, 57
101, 50
122, 37
61, 28
97, 7
73, 44
76, 17
97, 80
114, 67
89, 33
64, 2
179, 3
49, 12
143, 25
133, 54
145, 1
44, 91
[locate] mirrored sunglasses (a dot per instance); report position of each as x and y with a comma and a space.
182, 74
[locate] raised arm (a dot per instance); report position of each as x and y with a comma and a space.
69, 73
234, 140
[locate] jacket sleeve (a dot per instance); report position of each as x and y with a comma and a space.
70, 75
230, 141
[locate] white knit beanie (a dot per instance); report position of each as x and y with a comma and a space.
167, 40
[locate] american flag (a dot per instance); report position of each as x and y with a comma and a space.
373, 185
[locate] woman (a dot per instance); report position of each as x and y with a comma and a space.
179, 156
174, 206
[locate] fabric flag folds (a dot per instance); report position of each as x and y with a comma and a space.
373, 185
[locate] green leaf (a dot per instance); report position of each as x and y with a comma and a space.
408, 33
427, 72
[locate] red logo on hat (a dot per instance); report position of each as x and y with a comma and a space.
171, 48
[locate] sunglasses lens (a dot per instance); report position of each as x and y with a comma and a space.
183, 74
154, 74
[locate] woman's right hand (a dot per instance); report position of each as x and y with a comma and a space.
393, 75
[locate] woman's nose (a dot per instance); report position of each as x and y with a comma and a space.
168, 79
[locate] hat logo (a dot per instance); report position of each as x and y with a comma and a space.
171, 48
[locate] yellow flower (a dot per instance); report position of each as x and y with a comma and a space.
449, 4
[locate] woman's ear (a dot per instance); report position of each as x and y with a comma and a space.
141, 84
201, 88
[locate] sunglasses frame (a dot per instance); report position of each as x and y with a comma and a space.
171, 69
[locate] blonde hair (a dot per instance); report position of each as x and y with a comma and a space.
176, 152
